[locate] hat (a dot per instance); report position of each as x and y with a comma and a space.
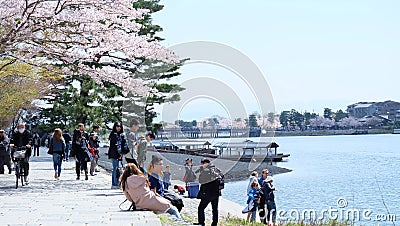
268, 179
205, 160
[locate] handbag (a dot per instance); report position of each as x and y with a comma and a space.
120, 169
50, 151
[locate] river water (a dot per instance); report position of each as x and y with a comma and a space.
353, 178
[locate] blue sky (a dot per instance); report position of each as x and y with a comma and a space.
313, 54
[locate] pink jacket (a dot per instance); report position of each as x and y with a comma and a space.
136, 190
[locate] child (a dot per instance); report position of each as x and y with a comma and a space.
254, 196
167, 177
180, 189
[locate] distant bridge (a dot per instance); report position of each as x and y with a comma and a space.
196, 133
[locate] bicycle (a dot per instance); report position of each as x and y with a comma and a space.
18, 159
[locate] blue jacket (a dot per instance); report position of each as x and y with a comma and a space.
58, 146
254, 194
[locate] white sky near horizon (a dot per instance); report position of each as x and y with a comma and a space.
313, 54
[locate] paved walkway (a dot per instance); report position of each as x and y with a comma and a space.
46, 201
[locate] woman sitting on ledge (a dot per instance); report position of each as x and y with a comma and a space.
137, 190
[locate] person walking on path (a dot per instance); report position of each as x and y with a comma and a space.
94, 142
268, 190
5, 158
137, 190
57, 144
67, 140
79, 150
167, 177
209, 192
36, 144
23, 138
117, 141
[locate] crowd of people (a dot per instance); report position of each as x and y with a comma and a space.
146, 187
261, 198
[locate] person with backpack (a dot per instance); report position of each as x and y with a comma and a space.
209, 178
80, 151
136, 188
57, 145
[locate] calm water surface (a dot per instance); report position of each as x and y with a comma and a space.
326, 169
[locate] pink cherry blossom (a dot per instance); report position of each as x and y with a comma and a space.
71, 32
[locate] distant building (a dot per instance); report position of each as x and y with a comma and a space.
389, 110
362, 109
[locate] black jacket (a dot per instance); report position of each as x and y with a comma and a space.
209, 189
114, 138
20, 140
79, 142
268, 190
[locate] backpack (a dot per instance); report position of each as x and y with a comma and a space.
175, 199
220, 177
124, 145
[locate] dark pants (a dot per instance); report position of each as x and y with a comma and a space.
203, 204
271, 216
5, 160
166, 185
25, 164
261, 209
36, 150
78, 166
67, 147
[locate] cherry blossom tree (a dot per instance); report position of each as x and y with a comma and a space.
321, 122
349, 123
97, 38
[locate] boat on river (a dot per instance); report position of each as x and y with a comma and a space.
189, 147
250, 151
